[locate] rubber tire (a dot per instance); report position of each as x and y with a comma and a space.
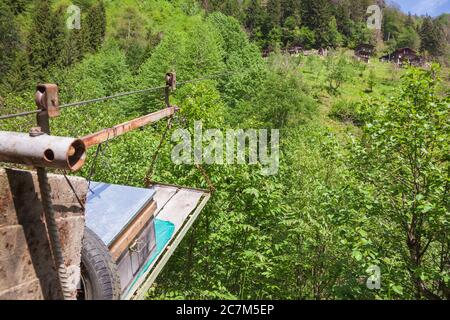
100, 279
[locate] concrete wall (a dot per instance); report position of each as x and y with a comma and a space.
27, 270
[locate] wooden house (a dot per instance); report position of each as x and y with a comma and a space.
404, 56
363, 52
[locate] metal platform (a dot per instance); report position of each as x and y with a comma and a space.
111, 208
181, 207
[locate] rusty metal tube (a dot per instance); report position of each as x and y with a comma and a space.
42, 151
120, 129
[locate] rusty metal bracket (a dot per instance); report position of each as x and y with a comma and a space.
171, 80
47, 99
171, 85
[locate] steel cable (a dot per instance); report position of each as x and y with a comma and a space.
114, 96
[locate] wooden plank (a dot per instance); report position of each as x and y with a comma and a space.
123, 242
147, 280
163, 195
180, 206
162, 185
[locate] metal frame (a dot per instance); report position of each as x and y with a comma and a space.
47, 101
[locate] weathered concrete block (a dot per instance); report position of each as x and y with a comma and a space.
25, 251
19, 269
26, 291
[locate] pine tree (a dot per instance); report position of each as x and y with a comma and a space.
233, 8
316, 15
57, 37
19, 75
254, 14
74, 47
431, 37
9, 38
95, 27
409, 21
290, 8
39, 40
46, 39
342, 13
102, 21
359, 9
334, 38
274, 12
409, 39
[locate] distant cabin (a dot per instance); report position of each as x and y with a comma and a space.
404, 56
363, 52
323, 52
293, 51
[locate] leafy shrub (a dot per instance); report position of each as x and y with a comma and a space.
346, 111
338, 72
403, 158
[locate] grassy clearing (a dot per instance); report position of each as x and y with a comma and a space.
337, 110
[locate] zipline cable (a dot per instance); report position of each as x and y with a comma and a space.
22, 114
114, 96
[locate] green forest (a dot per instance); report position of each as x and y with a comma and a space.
364, 172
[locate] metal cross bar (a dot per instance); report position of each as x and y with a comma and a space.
120, 129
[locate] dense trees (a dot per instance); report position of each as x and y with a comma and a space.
274, 12
42, 53
46, 43
133, 38
326, 23
431, 35
409, 39
317, 16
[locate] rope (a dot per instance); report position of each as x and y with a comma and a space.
93, 167
73, 190
149, 174
205, 175
52, 229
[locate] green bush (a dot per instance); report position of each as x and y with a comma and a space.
346, 111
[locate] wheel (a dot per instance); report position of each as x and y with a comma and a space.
99, 277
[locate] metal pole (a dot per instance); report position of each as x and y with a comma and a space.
41, 150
